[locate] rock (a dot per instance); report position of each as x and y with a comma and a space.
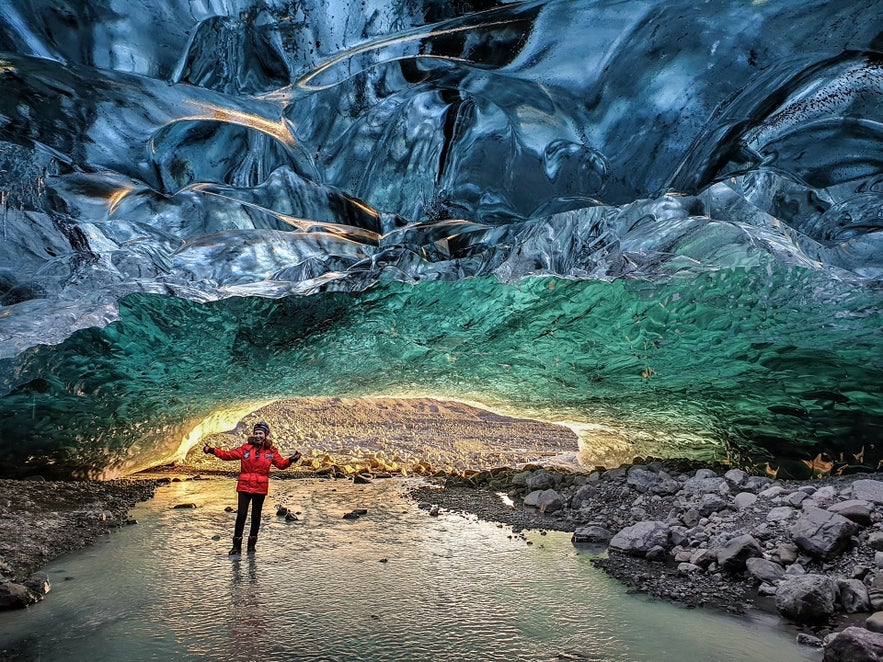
853, 596
854, 645
705, 473
540, 480
687, 569
38, 585
855, 510
765, 570
822, 534
591, 534
708, 485
780, 514
806, 599
796, 498
640, 538
732, 556
583, 493
771, 492
744, 500
14, 595
690, 518
875, 540
184, 506
805, 639
736, 476
874, 622
711, 503
641, 479
433, 510
362, 479
546, 501
868, 490
787, 553
875, 592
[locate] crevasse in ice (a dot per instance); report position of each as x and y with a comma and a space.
658, 221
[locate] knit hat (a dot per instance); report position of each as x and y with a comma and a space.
262, 426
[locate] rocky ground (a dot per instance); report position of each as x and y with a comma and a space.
702, 536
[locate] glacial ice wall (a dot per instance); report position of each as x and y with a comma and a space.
659, 221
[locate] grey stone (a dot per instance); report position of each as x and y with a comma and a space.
711, 503
854, 645
756, 483
855, 509
868, 490
540, 480
822, 534
546, 501
806, 599
736, 476
639, 538
780, 514
591, 534
14, 595
796, 498
853, 596
641, 479
583, 494
744, 500
805, 639
765, 570
771, 492
691, 517
875, 540
705, 473
874, 622
706, 485
666, 486
787, 553
688, 569
732, 556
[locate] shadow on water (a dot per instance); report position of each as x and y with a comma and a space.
393, 584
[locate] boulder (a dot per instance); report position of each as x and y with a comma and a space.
868, 490
698, 485
546, 501
732, 556
856, 510
821, 533
875, 540
765, 570
874, 622
806, 598
640, 538
853, 596
744, 500
641, 479
736, 476
591, 534
780, 514
854, 645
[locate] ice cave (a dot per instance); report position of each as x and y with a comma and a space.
658, 221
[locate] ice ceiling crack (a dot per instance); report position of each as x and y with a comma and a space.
657, 221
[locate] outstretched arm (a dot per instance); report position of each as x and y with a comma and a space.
284, 462
235, 454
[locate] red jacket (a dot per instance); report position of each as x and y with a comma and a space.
254, 476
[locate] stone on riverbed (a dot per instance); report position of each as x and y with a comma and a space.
854, 645
853, 596
34, 589
732, 556
546, 501
765, 570
591, 534
640, 538
868, 490
821, 533
806, 598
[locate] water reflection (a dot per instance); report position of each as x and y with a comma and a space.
394, 584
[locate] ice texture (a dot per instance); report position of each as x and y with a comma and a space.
661, 221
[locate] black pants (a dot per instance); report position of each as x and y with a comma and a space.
257, 504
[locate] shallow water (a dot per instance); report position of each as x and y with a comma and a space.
395, 584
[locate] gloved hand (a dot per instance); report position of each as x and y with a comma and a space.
208, 450
294, 458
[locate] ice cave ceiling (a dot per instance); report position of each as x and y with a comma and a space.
660, 221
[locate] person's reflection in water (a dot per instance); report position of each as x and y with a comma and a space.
250, 624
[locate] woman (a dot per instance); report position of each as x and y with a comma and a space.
256, 455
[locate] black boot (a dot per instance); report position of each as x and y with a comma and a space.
251, 543
237, 546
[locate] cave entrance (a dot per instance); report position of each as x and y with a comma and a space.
397, 436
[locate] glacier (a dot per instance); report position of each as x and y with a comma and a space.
658, 222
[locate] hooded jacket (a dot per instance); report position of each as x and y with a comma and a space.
254, 476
